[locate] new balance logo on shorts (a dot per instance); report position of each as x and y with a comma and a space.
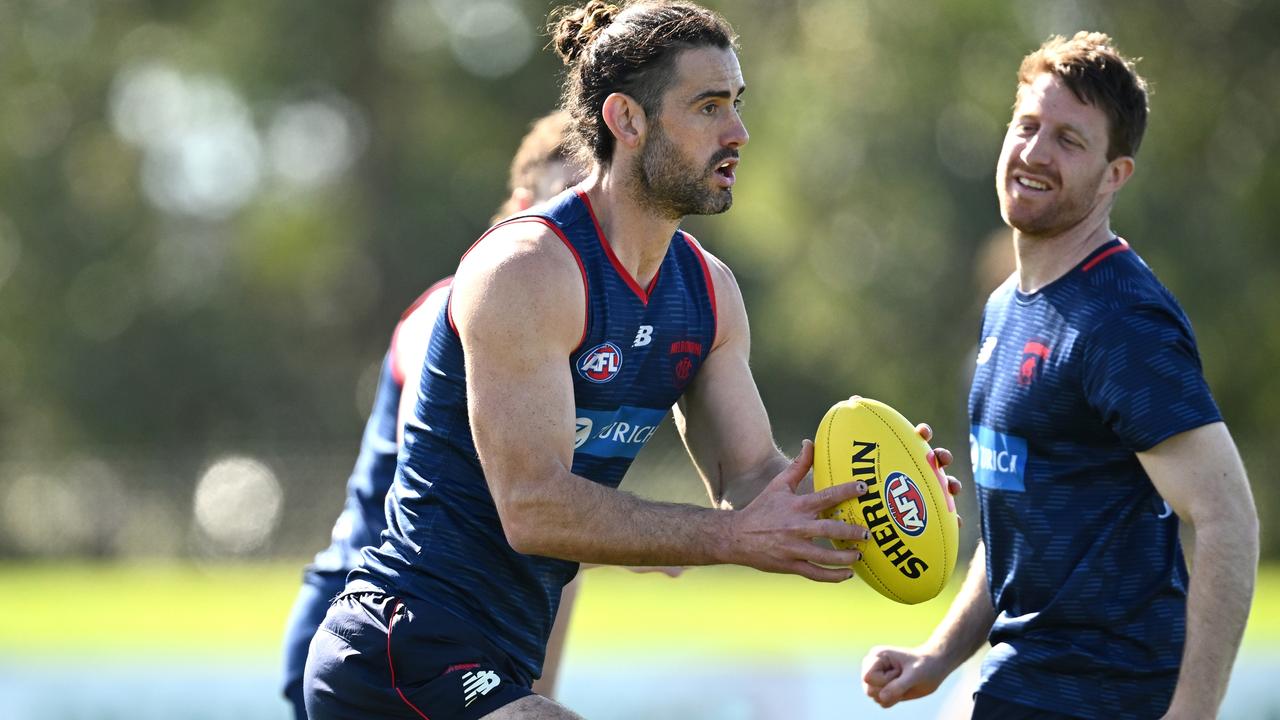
475, 684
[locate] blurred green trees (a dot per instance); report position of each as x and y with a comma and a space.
211, 214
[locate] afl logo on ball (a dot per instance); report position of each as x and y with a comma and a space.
906, 504
601, 363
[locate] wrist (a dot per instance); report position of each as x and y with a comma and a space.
944, 656
1183, 707
725, 539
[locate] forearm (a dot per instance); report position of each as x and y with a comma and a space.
1222, 582
604, 526
738, 490
968, 622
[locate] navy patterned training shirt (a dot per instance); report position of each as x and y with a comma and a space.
363, 516
640, 348
1084, 565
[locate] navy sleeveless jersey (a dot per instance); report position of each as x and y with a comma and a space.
1083, 561
639, 349
363, 515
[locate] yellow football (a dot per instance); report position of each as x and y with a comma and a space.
911, 516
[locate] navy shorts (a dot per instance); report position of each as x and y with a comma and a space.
988, 707
376, 656
318, 590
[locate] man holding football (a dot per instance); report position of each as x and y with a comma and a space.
1093, 433
568, 335
540, 170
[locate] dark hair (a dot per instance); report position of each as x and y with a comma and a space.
1097, 74
629, 49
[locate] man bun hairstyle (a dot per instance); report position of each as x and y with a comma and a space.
1097, 74
573, 29
628, 48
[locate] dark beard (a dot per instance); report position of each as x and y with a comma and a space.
669, 184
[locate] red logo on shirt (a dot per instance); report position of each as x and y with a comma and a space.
601, 363
1033, 356
689, 352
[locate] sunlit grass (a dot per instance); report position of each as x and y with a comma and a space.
240, 610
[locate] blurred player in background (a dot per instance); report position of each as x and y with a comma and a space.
1093, 433
541, 169
568, 335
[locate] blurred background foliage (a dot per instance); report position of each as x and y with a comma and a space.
212, 213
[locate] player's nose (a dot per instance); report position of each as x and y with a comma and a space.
738, 135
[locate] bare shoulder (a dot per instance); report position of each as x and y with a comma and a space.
731, 313
520, 278
721, 276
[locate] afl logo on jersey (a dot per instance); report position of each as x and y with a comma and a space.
601, 363
906, 504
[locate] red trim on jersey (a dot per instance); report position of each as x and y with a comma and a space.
586, 295
391, 664
397, 372
1122, 247
711, 286
617, 264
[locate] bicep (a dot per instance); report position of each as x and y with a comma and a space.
721, 417
519, 318
1200, 474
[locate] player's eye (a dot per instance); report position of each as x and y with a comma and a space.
1072, 142
709, 109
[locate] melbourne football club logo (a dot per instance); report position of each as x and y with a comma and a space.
685, 355
906, 504
601, 363
1034, 354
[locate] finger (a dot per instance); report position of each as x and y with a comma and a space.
924, 431
894, 690
830, 556
954, 486
834, 495
881, 671
799, 467
820, 574
959, 521
944, 456
837, 530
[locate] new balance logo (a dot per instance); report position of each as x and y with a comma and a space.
475, 684
644, 336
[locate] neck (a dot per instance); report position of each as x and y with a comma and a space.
1045, 258
638, 237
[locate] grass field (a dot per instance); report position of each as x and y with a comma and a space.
216, 610
108, 642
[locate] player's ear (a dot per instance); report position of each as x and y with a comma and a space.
1118, 173
625, 118
521, 199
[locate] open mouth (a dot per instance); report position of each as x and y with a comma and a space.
725, 170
